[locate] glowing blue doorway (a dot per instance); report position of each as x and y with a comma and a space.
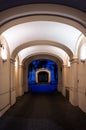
42, 76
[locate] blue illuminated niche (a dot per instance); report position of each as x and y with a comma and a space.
43, 84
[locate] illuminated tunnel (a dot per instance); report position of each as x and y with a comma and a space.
42, 76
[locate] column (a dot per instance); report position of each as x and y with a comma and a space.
26, 87
12, 82
74, 82
59, 87
21, 83
64, 79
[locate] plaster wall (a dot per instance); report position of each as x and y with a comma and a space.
4, 82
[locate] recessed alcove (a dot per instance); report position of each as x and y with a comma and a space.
43, 77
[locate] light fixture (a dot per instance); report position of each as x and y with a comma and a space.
3, 52
83, 60
83, 53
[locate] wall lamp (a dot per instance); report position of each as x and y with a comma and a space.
83, 60
3, 52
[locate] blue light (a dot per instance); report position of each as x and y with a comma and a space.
47, 64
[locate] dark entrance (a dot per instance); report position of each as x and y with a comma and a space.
42, 77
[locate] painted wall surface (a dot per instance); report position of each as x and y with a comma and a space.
4, 82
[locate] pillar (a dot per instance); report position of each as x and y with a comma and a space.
21, 83
64, 79
59, 87
82, 85
12, 82
16, 78
74, 82
25, 71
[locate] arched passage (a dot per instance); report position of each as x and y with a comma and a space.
52, 16
45, 56
42, 76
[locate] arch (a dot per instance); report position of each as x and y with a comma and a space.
44, 42
47, 56
61, 11
56, 13
81, 37
51, 57
82, 49
40, 71
50, 31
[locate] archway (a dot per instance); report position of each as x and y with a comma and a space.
42, 76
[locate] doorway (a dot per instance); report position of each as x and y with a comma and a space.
42, 76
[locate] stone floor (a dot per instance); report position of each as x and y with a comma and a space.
43, 112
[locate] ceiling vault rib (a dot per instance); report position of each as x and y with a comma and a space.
42, 14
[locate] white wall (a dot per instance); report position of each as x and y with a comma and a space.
4, 83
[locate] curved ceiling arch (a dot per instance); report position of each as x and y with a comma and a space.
82, 49
34, 9
44, 43
42, 30
58, 14
42, 49
48, 56
67, 15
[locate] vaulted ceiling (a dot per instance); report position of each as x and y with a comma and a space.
43, 30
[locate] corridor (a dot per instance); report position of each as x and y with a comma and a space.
43, 112
42, 49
